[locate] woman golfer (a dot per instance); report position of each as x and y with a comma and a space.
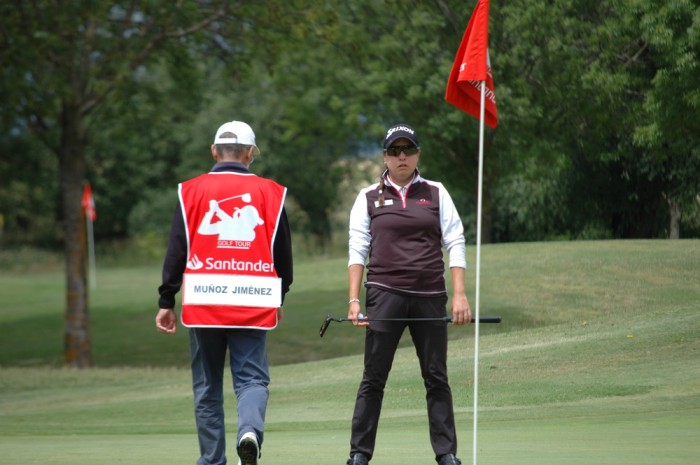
399, 226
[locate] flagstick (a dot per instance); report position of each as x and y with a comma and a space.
478, 265
91, 250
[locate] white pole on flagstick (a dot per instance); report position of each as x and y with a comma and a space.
478, 267
91, 252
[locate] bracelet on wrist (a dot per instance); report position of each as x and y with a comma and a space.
353, 300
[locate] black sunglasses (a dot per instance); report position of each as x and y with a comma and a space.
396, 150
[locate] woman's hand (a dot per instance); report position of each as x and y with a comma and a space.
354, 314
461, 311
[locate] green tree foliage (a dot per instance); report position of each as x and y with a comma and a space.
347, 73
598, 105
597, 101
606, 96
670, 133
28, 210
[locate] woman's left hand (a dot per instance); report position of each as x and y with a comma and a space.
461, 311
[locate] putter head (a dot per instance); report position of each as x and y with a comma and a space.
324, 326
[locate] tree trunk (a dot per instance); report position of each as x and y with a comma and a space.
675, 218
71, 153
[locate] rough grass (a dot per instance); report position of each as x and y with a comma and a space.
530, 285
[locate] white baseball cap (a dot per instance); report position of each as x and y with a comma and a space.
242, 134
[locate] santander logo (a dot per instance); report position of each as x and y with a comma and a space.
195, 263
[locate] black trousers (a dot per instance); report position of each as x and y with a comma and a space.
381, 340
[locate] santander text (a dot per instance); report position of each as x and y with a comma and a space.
237, 265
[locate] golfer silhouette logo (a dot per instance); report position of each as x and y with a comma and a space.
235, 231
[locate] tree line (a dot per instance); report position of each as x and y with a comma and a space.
599, 109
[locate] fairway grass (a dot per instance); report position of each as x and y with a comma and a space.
597, 362
611, 392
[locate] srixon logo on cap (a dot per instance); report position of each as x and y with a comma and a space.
399, 128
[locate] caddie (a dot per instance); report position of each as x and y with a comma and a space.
225, 217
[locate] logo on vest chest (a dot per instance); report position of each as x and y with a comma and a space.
234, 228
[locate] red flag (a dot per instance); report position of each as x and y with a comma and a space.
472, 65
89, 203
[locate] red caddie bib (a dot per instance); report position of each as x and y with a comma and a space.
230, 280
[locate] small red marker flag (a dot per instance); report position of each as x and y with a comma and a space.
89, 203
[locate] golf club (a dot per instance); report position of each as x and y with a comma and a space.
245, 197
446, 319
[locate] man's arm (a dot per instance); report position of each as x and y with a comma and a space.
282, 250
174, 263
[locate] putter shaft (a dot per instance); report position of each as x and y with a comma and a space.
446, 319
